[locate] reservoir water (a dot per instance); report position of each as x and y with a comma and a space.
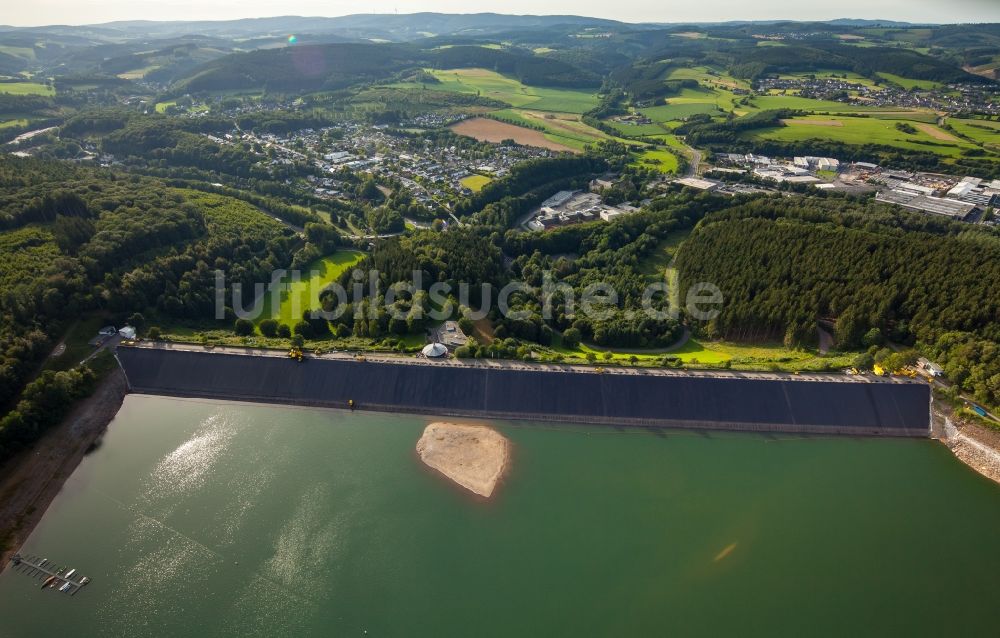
197, 518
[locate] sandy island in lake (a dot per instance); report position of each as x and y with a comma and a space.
474, 456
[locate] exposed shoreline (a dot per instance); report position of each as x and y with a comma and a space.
475, 457
976, 447
31, 480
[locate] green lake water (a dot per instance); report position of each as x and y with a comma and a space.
202, 519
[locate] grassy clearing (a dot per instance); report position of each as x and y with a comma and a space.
10, 123
661, 160
303, 295
475, 183
854, 130
26, 88
27, 53
707, 76
986, 132
635, 130
680, 111
656, 267
907, 83
76, 340
161, 107
708, 354
490, 84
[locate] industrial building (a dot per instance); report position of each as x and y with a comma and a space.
924, 203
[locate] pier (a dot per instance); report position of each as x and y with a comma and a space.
64, 579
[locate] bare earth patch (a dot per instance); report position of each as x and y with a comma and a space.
813, 122
937, 133
30, 480
474, 456
487, 130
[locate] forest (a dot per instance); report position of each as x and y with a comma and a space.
79, 241
781, 269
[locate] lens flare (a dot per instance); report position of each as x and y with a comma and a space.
292, 39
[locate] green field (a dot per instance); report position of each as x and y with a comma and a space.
27, 53
663, 161
17, 122
986, 132
707, 76
907, 83
635, 130
26, 88
475, 183
490, 84
857, 130
304, 294
771, 102
679, 111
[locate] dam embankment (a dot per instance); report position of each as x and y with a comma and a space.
745, 403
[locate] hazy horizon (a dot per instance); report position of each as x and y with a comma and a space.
89, 12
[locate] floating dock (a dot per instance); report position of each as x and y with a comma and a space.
64, 579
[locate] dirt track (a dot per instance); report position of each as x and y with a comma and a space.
937, 133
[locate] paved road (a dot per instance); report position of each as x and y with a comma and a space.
693, 162
386, 358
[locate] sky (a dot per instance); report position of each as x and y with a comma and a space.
43, 12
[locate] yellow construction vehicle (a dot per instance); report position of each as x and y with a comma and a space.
296, 353
879, 370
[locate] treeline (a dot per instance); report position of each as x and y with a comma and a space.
753, 62
43, 404
781, 270
338, 65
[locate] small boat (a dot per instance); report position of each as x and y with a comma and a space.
65, 587
48, 581
69, 573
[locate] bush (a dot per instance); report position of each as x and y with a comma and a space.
284, 331
463, 352
298, 341
153, 333
268, 328
303, 329
571, 337
243, 327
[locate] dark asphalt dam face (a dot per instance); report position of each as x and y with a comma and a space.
701, 402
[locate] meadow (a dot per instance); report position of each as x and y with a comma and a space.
26, 88
908, 83
303, 295
864, 130
492, 85
986, 132
661, 160
475, 183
